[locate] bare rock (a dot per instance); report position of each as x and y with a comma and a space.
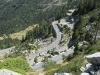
94, 59
85, 74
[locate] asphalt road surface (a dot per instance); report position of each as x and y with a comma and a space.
57, 58
44, 50
2, 52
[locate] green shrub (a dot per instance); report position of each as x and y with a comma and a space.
16, 64
50, 65
73, 66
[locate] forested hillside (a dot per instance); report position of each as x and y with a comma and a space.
87, 6
86, 32
16, 15
88, 25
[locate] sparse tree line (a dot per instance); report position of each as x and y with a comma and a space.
9, 42
86, 6
18, 15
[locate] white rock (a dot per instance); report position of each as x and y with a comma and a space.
94, 58
88, 65
62, 74
41, 74
82, 69
8, 72
67, 74
85, 74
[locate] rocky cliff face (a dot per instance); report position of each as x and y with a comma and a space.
93, 66
94, 59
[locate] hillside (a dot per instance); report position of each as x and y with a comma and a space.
38, 47
86, 29
16, 15
20, 34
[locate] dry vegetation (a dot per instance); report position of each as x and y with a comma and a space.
1, 38
21, 33
45, 72
34, 73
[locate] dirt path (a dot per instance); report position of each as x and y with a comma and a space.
44, 72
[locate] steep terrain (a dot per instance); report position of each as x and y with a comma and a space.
16, 15
86, 31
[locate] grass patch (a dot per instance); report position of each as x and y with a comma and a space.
19, 35
53, 70
73, 66
22, 33
19, 65
34, 73
1, 38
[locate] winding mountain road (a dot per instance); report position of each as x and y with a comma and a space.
51, 46
31, 56
57, 58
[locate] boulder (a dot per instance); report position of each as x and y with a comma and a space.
62, 74
8, 72
85, 74
94, 59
